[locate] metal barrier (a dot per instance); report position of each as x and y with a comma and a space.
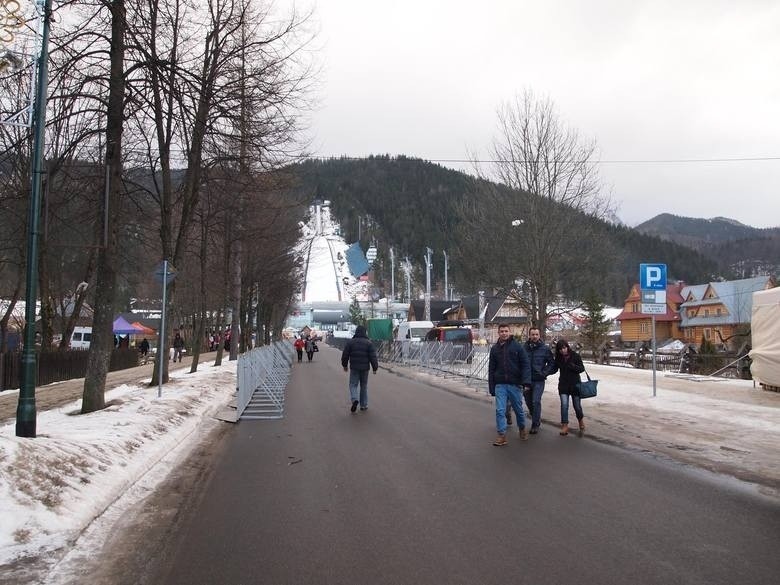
440, 358
263, 374
451, 359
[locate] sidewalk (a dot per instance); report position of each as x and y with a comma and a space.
60, 393
725, 426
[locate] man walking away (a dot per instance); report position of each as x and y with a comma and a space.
360, 355
508, 371
542, 364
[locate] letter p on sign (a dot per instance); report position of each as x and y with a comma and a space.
652, 276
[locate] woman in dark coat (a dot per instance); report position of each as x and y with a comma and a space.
311, 347
569, 363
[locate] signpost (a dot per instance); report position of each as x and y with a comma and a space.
652, 282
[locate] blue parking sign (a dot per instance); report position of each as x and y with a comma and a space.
652, 276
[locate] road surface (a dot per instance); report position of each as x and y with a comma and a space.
412, 491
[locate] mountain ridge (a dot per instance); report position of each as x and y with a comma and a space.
411, 204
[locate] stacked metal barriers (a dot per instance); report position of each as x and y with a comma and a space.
263, 374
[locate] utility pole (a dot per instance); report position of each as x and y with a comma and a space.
482, 314
392, 274
446, 269
428, 253
407, 268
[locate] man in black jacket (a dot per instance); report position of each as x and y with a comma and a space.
360, 355
542, 363
508, 371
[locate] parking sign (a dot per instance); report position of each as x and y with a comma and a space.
652, 276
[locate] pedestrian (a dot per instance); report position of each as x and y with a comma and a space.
508, 372
311, 347
542, 363
360, 355
299, 345
144, 349
178, 346
569, 363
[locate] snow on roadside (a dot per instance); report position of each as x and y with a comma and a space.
53, 486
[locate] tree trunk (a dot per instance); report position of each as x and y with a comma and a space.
201, 326
163, 347
7, 317
102, 343
78, 302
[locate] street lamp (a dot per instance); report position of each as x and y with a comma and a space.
25, 412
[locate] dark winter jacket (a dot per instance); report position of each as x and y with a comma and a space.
542, 360
359, 352
570, 370
508, 364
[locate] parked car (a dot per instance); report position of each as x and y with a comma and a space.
459, 339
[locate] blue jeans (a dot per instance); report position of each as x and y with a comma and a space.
358, 378
512, 393
533, 400
576, 401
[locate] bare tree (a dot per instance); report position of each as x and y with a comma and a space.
528, 224
102, 342
221, 86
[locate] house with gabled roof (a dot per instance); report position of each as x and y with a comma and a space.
504, 310
719, 311
440, 310
497, 310
635, 326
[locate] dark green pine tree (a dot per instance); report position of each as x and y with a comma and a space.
594, 332
356, 316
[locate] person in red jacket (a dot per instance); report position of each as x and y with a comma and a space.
299, 345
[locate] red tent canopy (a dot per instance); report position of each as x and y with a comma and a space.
143, 329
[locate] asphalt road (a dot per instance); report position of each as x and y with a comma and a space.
412, 491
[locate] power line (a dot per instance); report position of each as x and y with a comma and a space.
612, 161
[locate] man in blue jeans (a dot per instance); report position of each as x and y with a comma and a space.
542, 363
509, 370
360, 355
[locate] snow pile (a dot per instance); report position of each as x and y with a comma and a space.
51, 487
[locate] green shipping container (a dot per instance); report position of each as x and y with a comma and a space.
380, 329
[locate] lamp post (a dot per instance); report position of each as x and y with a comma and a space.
25, 412
392, 274
446, 270
428, 253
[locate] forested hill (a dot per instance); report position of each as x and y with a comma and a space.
412, 204
746, 250
697, 232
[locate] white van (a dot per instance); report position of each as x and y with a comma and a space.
413, 330
81, 338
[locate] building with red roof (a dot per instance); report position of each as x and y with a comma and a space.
636, 326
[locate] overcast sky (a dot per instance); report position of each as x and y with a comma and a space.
648, 80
